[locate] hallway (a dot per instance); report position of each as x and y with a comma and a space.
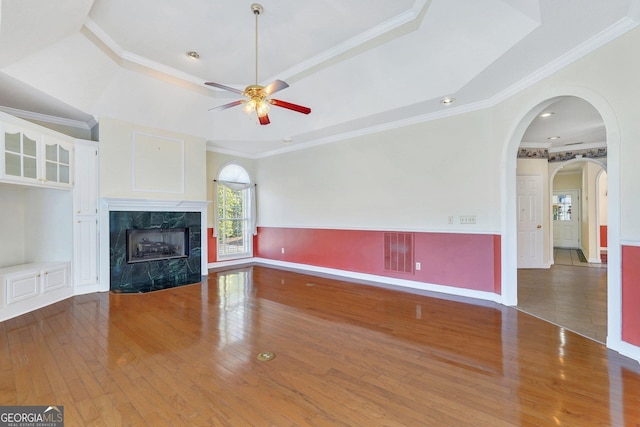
571, 294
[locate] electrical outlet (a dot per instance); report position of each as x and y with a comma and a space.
418, 266
467, 219
282, 250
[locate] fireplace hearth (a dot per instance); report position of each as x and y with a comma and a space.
154, 250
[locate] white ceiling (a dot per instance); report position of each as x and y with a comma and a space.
568, 122
359, 65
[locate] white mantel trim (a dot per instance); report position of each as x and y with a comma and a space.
115, 204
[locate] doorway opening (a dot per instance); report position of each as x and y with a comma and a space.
560, 275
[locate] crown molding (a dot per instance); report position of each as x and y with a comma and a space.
605, 36
219, 150
125, 55
45, 118
609, 34
360, 40
377, 32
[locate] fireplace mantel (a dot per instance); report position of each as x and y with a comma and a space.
108, 205
116, 204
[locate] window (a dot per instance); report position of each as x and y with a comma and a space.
234, 213
562, 207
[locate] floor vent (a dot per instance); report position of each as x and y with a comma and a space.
398, 252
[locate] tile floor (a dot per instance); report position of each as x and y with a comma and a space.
567, 294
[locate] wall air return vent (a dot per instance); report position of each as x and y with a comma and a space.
398, 252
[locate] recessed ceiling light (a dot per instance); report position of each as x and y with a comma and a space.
192, 54
447, 101
544, 115
288, 141
553, 137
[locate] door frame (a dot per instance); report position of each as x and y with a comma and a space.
540, 100
553, 192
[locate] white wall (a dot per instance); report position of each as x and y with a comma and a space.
48, 232
409, 178
11, 226
138, 162
603, 210
567, 181
36, 225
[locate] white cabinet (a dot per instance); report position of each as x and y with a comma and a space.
56, 162
85, 190
27, 287
85, 254
58, 226
55, 277
22, 285
20, 154
85, 218
35, 158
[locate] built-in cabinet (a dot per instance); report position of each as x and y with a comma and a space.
85, 217
33, 158
27, 287
54, 170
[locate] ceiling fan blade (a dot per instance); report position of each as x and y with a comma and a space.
274, 87
229, 105
290, 106
264, 120
230, 89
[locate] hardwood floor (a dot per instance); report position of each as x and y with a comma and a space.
345, 355
571, 294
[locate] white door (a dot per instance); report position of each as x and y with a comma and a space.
530, 232
566, 219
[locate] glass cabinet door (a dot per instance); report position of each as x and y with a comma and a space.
56, 163
20, 155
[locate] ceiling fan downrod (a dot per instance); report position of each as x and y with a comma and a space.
257, 10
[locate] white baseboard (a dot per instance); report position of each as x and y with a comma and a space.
624, 348
387, 281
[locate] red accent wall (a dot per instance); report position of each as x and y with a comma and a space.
470, 261
603, 236
212, 246
631, 294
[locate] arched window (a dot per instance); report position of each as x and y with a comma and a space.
235, 212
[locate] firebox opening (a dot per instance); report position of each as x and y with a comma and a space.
156, 244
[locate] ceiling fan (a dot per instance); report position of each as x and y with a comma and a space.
258, 97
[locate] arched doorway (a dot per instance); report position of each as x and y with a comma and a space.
571, 291
510, 229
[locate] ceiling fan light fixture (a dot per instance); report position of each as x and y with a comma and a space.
257, 96
262, 108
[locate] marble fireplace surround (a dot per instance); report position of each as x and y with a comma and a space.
155, 208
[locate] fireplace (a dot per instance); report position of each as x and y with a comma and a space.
157, 243
153, 250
